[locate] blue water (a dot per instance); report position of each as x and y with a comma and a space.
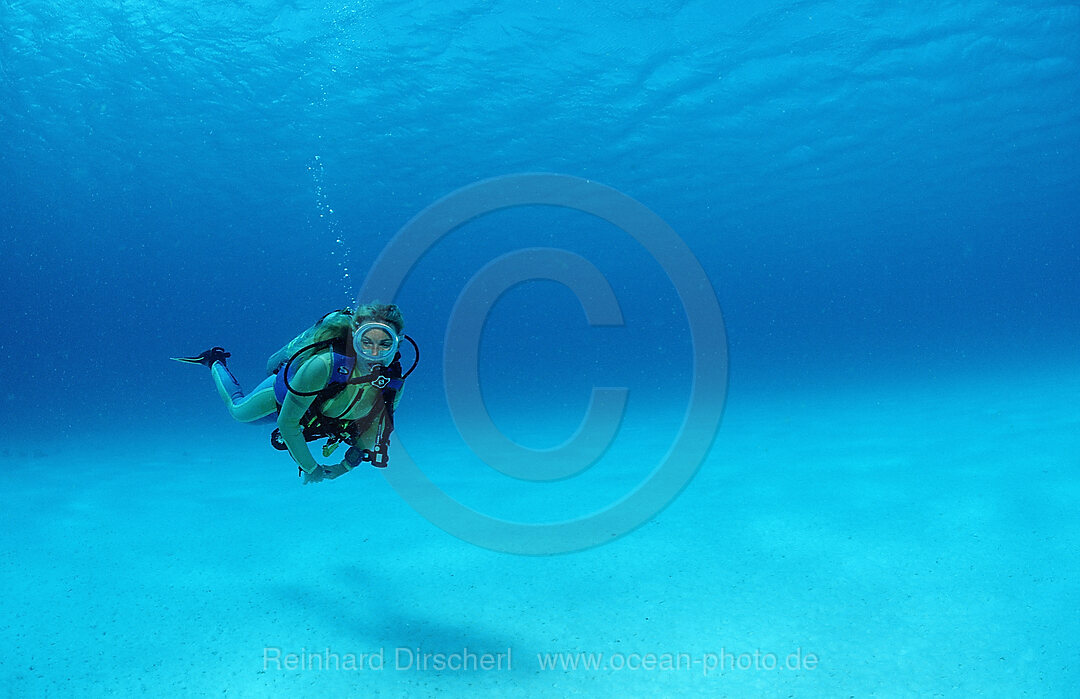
885, 198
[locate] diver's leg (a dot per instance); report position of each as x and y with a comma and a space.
249, 408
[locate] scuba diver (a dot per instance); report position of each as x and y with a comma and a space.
339, 380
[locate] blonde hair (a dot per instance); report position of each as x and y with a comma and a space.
338, 324
333, 325
387, 313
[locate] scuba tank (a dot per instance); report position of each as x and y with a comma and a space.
304, 339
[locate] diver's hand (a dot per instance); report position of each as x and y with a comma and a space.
326, 473
338, 469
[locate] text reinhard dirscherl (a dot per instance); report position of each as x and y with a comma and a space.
467, 660
402, 659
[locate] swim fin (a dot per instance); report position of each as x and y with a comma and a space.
207, 358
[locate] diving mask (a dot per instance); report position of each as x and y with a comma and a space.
375, 343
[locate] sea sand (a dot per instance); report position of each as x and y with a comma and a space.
886, 539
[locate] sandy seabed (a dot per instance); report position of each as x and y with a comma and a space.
884, 541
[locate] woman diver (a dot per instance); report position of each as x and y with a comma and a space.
341, 380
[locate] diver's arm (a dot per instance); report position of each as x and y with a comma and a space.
312, 376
